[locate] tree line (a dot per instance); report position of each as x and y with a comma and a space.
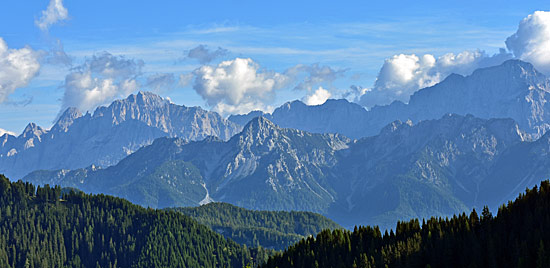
49, 227
517, 237
269, 229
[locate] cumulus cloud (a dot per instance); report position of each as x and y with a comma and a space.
315, 74
161, 83
3, 131
204, 55
54, 13
240, 86
100, 80
402, 75
318, 97
17, 68
531, 42
237, 86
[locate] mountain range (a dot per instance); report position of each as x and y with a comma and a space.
514, 89
263, 167
465, 142
436, 167
106, 136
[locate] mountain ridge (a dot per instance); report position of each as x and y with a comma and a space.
514, 89
108, 135
436, 167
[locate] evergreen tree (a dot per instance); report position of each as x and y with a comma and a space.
48, 228
516, 237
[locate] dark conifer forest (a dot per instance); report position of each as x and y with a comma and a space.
517, 237
54, 227
43, 227
269, 229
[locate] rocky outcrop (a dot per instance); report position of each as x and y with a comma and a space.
108, 135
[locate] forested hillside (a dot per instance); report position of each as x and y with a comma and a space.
517, 237
43, 227
269, 229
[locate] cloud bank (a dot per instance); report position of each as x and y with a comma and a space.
240, 85
17, 68
237, 86
54, 13
531, 42
401, 75
100, 80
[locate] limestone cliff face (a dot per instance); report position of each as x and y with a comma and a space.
263, 167
107, 136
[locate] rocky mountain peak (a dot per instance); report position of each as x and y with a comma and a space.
512, 72
291, 105
144, 98
395, 126
133, 106
33, 130
259, 127
66, 119
110, 134
516, 66
339, 102
243, 119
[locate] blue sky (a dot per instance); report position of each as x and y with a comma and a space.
334, 44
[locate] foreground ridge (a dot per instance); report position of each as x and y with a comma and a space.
269, 229
39, 229
517, 237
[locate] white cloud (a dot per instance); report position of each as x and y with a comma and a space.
3, 131
237, 86
531, 42
402, 75
17, 68
100, 80
54, 13
318, 97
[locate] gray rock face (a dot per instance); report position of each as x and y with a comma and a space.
108, 135
243, 119
434, 168
513, 89
263, 167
